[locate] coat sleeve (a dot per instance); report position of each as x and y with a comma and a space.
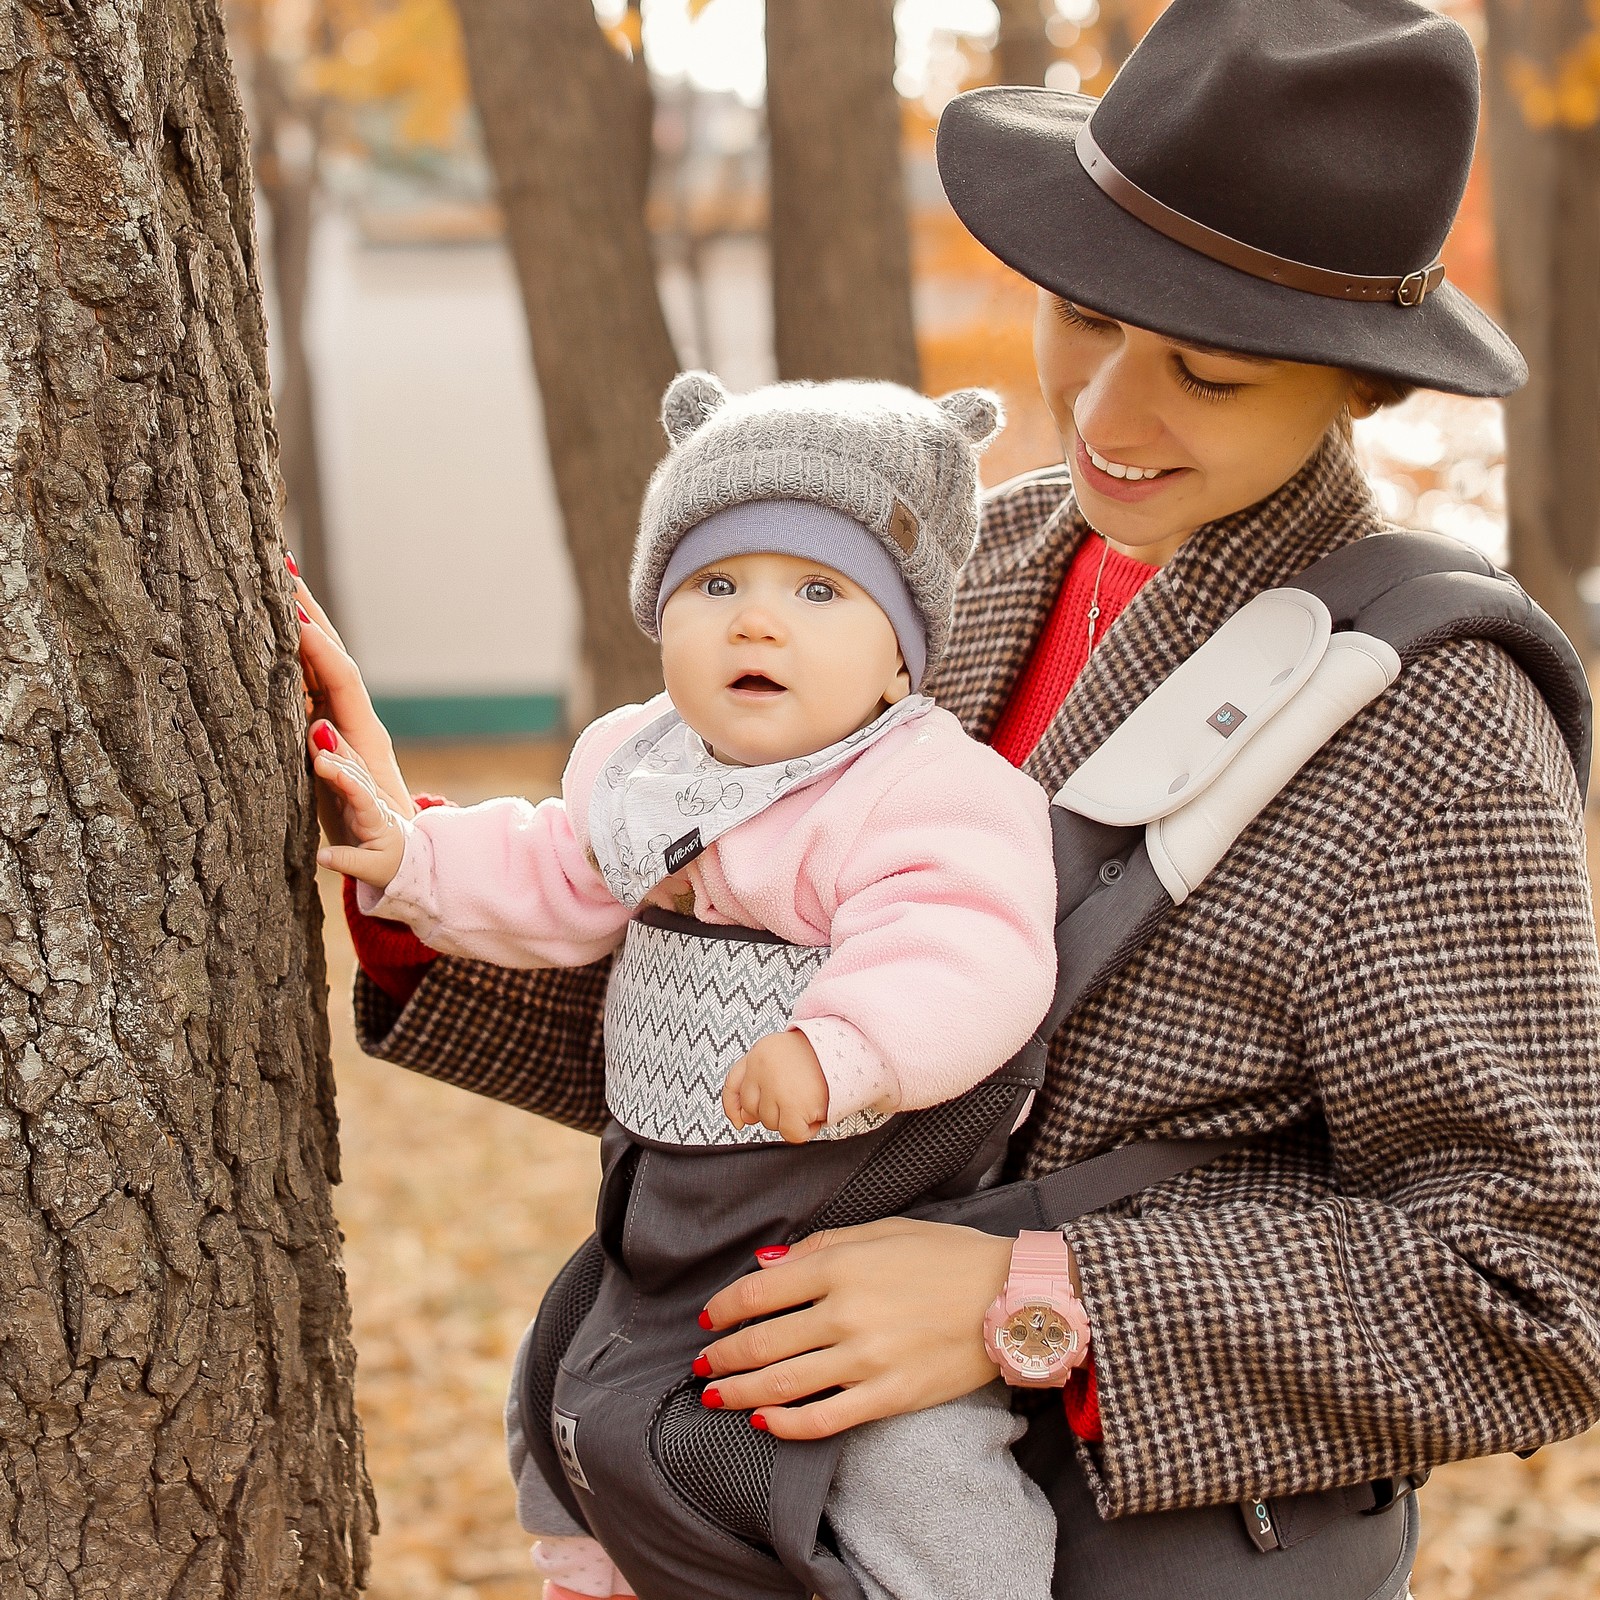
943, 939
1445, 1302
532, 1039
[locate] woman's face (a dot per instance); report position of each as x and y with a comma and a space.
1218, 431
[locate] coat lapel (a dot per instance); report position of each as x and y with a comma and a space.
1218, 569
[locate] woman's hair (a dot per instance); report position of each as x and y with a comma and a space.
1379, 391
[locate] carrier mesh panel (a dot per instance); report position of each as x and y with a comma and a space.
567, 1303
717, 1462
928, 1148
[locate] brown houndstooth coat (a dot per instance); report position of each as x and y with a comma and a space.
1394, 973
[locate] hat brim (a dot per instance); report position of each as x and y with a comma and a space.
1009, 166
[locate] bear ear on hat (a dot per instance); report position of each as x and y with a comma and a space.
978, 413
691, 399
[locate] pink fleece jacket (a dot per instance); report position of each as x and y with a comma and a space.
924, 864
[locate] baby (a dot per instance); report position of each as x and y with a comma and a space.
797, 560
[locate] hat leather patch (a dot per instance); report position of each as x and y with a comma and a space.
903, 526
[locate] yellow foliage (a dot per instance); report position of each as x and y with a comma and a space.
1566, 95
407, 53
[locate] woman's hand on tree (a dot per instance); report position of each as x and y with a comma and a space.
333, 682
378, 841
891, 1314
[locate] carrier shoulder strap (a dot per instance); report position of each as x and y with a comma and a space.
1142, 822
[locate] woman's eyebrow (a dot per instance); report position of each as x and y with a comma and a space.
1226, 355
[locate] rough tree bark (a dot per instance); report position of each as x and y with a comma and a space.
1544, 151
566, 123
841, 246
175, 1361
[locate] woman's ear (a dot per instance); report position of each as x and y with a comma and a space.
1361, 403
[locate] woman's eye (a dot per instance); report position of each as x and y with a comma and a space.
1074, 318
720, 588
1203, 389
818, 592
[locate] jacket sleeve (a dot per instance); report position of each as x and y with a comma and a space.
1445, 1302
532, 1039
943, 938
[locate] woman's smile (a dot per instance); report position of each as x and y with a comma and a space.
1116, 480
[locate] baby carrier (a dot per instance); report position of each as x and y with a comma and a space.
695, 1502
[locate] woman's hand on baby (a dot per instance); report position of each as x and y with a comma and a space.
338, 695
778, 1083
890, 1314
366, 818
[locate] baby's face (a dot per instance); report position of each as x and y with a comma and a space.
770, 657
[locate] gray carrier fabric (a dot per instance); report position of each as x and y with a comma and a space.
680, 1013
691, 1501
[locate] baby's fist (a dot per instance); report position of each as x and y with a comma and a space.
778, 1083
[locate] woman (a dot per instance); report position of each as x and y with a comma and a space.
1392, 979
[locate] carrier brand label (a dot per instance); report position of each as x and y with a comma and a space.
1226, 718
564, 1429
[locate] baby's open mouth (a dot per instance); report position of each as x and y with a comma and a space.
756, 683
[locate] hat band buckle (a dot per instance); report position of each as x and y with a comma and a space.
1408, 290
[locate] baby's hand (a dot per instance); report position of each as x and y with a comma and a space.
368, 819
778, 1083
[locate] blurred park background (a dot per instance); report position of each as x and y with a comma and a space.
492, 230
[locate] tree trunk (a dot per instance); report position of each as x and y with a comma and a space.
288, 178
175, 1363
1545, 155
1023, 52
566, 129
841, 249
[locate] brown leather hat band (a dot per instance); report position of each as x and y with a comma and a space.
1409, 290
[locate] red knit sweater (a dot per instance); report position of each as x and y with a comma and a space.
395, 958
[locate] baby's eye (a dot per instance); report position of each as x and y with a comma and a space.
717, 586
818, 592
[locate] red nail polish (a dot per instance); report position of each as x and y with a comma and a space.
323, 737
289, 562
712, 1398
772, 1252
704, 1320
701, 1367
758, 1421
305, 616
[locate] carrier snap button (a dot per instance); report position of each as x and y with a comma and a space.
1111, 873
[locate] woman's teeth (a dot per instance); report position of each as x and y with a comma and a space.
1116, 469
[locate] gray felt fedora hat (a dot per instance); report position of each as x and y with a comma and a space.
1270, 176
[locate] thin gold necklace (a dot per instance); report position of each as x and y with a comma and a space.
1094, 600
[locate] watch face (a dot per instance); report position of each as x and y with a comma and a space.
1036, 1339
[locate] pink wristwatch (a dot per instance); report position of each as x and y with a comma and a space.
1037, 1331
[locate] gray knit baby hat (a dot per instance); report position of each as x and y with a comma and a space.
903, 466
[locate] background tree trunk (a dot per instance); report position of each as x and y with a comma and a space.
841, 246
566, 122
1545, 161
175, 1362
1023, 52
287, 131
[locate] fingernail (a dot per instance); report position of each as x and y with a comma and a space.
289, 562
758, 1421
701, 1367
712, 1398
305, 616
323, 737
772, 1252
704, 1320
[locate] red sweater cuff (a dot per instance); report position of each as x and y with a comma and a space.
1081, 1400
391, 955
